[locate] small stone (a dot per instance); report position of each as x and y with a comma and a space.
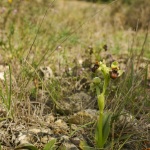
67, 144
83, 117
128, 119
44, 139
60, 123
50, 118
74, 103
3, 70
46, 73
75, 141
74, 127
34, 130
23, 138
2, 76
3, 112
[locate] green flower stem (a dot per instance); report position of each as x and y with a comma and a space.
100, 98
106, 82
100, 124
101, 104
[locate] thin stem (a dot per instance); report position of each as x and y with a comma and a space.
10, 89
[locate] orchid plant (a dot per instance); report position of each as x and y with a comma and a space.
103, 122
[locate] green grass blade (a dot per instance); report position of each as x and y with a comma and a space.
10, 89
26, 146
124, 143
50, 145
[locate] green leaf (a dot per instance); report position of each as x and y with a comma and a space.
99, 132
106, 126
83, 146
26, 146
50, 145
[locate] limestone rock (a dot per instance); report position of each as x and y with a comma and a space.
74, 103
46, 73
67, 144
83, 117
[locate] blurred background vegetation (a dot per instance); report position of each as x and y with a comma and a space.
135, 11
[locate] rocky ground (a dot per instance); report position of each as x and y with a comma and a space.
45, 87
70, 120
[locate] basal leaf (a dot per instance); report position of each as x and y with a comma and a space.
106, 126
83, 146
50, 145
27, 146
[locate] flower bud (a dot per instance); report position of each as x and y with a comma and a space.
96, 80
101, 102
